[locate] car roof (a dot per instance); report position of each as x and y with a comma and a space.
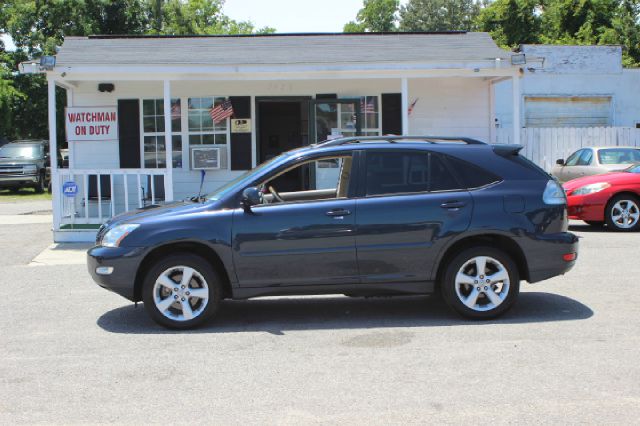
30, 141
597, 148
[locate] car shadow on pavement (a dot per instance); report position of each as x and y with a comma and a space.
588, 228
277, 316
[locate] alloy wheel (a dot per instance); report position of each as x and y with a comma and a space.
181, 293
625, 214
482, 283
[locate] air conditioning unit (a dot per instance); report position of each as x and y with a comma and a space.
205, 158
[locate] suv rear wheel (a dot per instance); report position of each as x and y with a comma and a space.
181, 291
481, 283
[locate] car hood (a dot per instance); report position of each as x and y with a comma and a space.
156, 212
618, 178
17, 161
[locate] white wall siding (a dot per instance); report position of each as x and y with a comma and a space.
450, 107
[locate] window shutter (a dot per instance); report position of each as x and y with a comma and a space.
391, 114
129, 133
241, 142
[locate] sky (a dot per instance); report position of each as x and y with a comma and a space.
286, 16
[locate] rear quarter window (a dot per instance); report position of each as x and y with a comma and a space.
472, 176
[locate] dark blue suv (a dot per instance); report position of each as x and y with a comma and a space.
359, 216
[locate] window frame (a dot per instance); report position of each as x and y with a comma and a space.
187, 133
283, 168
362, 173
162, 133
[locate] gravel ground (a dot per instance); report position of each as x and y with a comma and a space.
567, 353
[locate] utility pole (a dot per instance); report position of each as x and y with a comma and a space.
159, 15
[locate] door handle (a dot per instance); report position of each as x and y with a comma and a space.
453, 205
338, 212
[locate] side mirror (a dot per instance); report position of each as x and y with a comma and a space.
251, 197
560, 162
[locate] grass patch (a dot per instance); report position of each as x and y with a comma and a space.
81, 226
23, 194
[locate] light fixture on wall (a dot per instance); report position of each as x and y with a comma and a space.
106, 87
518, 59
47, 63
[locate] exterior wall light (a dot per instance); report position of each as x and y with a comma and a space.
518, 59
47, 63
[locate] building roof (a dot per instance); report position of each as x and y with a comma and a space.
280, 49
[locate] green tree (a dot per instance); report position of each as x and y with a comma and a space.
439, 15
375, 16
511, 22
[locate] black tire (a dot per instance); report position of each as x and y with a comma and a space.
594, 223
204, 269
609, 212
40, 184
448, 284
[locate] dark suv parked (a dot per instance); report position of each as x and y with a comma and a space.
25, 164
369, 216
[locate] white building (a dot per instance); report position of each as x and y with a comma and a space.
578, 86
155, 95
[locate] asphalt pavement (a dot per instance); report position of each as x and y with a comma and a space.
567, 353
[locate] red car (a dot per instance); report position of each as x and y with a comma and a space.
611, 198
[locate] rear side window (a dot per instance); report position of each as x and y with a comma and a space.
619, 156
406, 172
472, 176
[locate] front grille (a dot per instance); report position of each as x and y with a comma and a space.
11, 170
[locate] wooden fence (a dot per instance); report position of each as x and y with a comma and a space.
544, 146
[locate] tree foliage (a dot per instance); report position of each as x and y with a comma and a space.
375, 16
511, 22
39, 26
439, 15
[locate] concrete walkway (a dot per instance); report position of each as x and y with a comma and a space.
62, 254
38, 207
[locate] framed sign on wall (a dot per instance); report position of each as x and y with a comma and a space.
91, 123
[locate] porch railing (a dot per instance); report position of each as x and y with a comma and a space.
544, 146
86, 198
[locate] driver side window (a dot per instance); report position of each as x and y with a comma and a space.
573, 158
321, 179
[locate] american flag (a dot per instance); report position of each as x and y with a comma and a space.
412, 106
368, 106
222, 111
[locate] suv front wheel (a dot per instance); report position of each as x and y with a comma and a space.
181, 291
481, 283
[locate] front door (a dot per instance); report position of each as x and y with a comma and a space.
299, 238
409, 208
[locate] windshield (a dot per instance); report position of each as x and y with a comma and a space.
634, 169
20, 151
243, 179
619, 156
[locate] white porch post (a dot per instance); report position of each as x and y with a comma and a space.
405, 106
53, 154
168, 142
516, 108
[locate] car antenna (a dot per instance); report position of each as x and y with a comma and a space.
202, 173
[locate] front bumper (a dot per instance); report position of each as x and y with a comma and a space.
587, 207
125, 262
14, 181
545, 255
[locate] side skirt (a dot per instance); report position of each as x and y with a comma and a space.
381, 289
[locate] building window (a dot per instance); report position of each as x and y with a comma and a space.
369, 121
202, 130
154, 150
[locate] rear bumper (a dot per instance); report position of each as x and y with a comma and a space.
125, 262
546, 255
587, 207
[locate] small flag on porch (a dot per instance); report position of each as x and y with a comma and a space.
222, 111
413, 104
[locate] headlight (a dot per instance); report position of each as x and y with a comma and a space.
115, 235
590, 189
29, 168
554, 194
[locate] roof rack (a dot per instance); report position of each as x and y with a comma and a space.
396, 139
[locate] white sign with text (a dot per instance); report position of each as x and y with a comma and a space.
91, 123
